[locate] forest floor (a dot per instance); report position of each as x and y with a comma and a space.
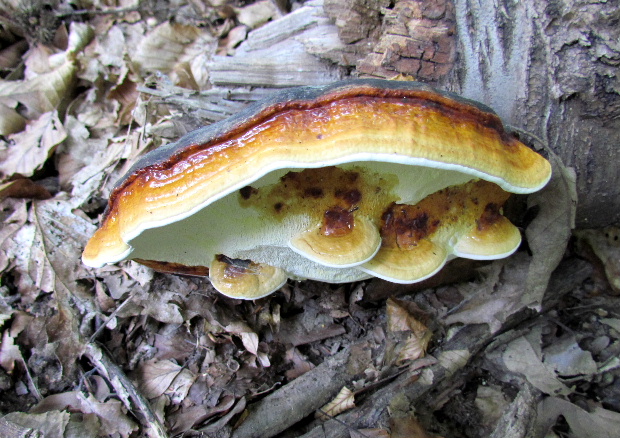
525, 346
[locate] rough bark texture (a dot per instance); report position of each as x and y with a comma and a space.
552, 69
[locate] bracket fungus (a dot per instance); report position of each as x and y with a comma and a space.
335, 183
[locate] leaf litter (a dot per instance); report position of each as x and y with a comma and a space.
123, 351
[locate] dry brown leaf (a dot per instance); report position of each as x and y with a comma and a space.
599, 423
11, 56
10, 120
48, 424
491, 404
49, 80
401, 316
156, 376
568, 359
402, 319
180, 386
23, 188
45, 256
344, 401
16, 213
30, 149
9, 352
301, 364
257, 14
186, 418
93, 174
370, 433
126, 94
160, 305
235, 37
77, 150
247, 335
110, 413
549, 232
612, 322
407, 427
40, 94
46, 251
164, 47
524, 356
493, 300
605, 243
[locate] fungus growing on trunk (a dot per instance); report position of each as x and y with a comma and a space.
335, 183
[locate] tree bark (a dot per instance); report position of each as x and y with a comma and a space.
551, 68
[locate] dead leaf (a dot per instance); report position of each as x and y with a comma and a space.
155, 377
256, 14
605, 243
301, 364
568, 359
491, 403
43, 90
164, 47
599, 423
48, 424
40, 94
370, 433
498, 296
309, 326
111, 413
99, 171
344, 401
23, 188
16, 216
11, 55
10, 120
30, 149
614, 323
549, 232
186, 418
9, 353
46, 250
407, 427
247, 335
411, 336
523, 356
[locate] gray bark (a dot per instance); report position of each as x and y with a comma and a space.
551, 68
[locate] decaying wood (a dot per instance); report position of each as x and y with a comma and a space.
275, 54
298, 399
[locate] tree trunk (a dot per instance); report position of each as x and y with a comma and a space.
551, 68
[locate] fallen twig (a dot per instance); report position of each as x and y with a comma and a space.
125, 389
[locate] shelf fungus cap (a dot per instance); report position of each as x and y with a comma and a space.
335, 183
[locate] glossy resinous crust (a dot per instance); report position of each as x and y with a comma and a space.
183, 205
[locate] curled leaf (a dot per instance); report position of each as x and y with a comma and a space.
412, 336
344, 401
